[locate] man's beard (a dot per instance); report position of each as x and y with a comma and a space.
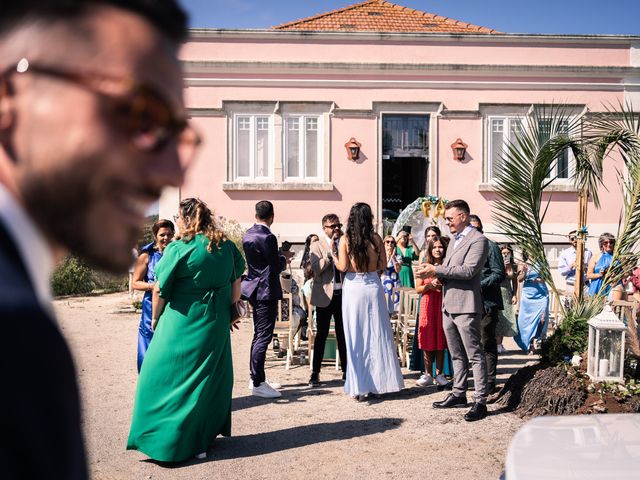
61, 207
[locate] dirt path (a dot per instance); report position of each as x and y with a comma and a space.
308, 433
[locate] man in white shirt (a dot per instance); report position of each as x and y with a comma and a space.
567, 263
91, 118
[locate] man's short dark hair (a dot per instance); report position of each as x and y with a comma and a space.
330, 217
264, 210
460, 205
166, 15
572, 232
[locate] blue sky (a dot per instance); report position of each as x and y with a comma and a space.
515, 16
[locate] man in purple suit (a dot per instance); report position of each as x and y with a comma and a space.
262, 287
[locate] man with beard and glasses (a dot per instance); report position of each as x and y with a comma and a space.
92, 127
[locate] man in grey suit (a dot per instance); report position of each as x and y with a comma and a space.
463, 308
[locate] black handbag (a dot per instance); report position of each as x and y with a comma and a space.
239, 308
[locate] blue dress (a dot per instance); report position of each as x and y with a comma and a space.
534, 309
391, 283
145, 334
594, 287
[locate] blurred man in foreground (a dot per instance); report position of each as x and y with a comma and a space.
92, 127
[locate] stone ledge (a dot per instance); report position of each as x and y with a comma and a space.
280, 186
559, 187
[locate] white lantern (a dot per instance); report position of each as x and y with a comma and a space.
606, 347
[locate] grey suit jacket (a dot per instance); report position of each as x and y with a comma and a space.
322, 267
460, 274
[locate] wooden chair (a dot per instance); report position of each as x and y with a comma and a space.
407, 313
625, 310
284, 329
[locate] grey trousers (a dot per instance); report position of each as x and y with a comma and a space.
463, 332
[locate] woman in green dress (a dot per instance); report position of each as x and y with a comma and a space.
409, 251
183, 396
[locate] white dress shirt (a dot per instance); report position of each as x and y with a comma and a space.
565, 263
32, 247
458, 237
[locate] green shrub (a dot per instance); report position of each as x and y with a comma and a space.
72, 277
570, 338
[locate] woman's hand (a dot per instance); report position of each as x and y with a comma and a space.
154, 323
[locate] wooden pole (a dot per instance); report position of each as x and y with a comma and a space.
582, 222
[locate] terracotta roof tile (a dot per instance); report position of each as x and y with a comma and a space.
382, 16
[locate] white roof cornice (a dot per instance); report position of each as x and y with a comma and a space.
204, 34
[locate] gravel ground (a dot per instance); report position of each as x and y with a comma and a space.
308, 433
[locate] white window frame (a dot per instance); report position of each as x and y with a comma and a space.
506, 125
302, 142
253, 142
525, 118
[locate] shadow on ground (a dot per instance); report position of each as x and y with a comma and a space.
244, 446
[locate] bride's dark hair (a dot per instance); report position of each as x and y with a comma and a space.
360, 234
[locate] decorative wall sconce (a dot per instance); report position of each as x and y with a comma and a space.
353, 149
459, 149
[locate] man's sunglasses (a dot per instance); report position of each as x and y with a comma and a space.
143, 113
333, 226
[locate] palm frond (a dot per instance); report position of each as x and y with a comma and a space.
524, 174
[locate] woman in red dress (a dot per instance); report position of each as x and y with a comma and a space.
431, 339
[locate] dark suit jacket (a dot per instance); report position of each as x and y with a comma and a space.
264, 264
491, 277
40, 434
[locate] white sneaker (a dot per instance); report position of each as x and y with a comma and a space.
274, 385
265, 390
425, 380
201, 456
441, 380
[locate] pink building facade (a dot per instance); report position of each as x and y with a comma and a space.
276, 108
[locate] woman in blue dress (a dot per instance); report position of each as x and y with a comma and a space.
144, 278
598, 266
390, 279
534, 308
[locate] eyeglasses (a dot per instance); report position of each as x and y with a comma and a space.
450, 219
572, 239
609, 242
333, 226
391, 242
142, 112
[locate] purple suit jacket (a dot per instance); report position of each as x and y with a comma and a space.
264, 264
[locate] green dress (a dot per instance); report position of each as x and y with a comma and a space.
406, 272
183, 396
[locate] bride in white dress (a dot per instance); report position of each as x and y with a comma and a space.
372, 363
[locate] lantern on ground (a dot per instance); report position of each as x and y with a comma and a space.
605, 361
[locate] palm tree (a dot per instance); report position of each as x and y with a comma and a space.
526, 171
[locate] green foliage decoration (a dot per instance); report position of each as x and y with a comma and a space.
570, 338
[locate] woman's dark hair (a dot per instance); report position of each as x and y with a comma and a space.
167, 15
307, 248
360, 234
198, 218
428, 256
162, 223
307, 272
433, 228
